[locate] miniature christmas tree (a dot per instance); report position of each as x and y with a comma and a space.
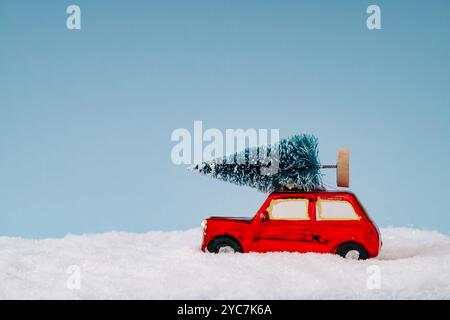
292, 163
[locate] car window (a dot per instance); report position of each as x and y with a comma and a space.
335, 210
288, 209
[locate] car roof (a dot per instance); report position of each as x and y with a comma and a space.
313, 192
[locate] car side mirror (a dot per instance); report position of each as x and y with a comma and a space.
264, 216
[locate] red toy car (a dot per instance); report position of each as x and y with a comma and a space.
323, 222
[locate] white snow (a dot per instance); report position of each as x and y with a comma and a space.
414, 264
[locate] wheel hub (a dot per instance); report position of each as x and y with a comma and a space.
226, 249
352, 255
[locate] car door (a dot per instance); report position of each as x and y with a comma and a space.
287, 227
336, 221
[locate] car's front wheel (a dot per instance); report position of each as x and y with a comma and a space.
352, 251
224, 245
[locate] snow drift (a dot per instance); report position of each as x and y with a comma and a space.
413, 264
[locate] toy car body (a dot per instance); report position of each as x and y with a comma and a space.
323, 222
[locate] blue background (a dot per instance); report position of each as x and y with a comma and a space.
86, 116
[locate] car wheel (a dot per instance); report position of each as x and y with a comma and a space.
224, 245
352, 251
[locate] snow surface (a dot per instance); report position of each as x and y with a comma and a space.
169, 265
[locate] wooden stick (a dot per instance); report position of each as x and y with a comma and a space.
343, 168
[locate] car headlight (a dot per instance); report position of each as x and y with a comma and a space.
204, 223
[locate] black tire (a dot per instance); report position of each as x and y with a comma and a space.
223, 242
345, 248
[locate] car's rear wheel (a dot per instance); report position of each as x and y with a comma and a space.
352, 251
224, 245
